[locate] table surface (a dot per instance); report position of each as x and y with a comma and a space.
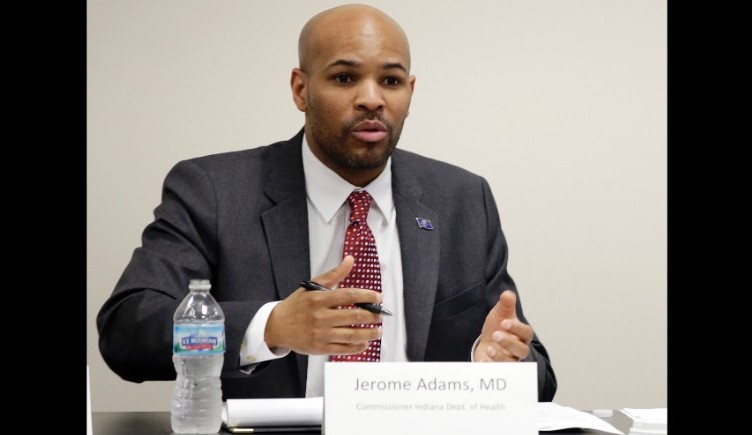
153, 423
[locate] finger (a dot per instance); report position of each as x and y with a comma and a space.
511, 344
345, 349
356, 295
351, 340
521, 330
333, 315
503, 309
346, 339
490, 351
350, 296
335, 275
351, 315
355, 335
501, 356
507, 302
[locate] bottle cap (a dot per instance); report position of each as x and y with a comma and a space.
199, 284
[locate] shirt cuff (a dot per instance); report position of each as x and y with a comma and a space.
472, 351
253, 348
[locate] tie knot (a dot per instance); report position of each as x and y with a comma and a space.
360, 202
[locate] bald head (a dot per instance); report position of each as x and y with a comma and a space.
330, 28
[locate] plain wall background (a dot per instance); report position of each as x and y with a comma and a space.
560, 104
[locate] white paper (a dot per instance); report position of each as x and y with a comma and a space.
309, 412
273, 412
552, 416
656, 415
647, 420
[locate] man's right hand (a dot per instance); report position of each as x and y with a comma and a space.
310, 322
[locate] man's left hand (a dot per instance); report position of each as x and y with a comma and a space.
504, 337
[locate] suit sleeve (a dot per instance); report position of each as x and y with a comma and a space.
135, 323
498, 280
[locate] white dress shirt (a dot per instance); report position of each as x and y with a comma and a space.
328, 218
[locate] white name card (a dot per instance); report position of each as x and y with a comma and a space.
430, 398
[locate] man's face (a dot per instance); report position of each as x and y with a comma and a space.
355, 92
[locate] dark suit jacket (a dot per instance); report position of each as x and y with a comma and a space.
240, 220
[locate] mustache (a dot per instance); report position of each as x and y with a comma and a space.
371, 116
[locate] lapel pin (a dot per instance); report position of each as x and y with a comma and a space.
424, 223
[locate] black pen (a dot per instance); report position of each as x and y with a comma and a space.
374, 308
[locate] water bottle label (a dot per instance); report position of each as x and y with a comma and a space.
198, 339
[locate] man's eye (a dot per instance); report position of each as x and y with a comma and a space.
342, 78
392, 81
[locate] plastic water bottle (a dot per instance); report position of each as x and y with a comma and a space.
198, 353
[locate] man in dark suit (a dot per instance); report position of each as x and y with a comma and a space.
259, 221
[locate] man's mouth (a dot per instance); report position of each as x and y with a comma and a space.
370, 131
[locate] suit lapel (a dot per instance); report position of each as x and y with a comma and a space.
420, 257
286, 226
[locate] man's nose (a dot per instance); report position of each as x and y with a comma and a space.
369, 97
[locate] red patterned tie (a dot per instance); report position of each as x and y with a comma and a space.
366, 273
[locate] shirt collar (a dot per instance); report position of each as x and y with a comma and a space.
327, 191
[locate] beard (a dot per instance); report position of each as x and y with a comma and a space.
335, 144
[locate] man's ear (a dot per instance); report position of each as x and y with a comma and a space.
299, 85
